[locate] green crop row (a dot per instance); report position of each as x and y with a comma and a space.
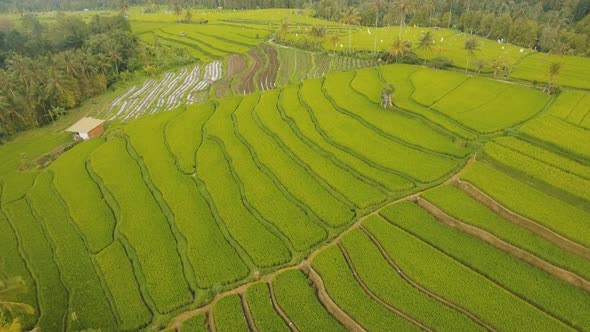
539, 170
260, 191
302, 124
119, 278
15, 184
386, 283
550, 130
399, 77
213, 259
409, 130
38, 253
450, 278
350, 133
264, 247
192, 43
474, 93
82, 196
153, 38
321, 65
299, 302
192, 32
545, 156
263, 313
361, 194
196, 323
14, 265
489, 106
512, 107
433, 85
368, 83
566, 102
350, 296
141, 221
461, 206
548, 211
183, 135
555, 303
294, 177
295, 65
88, 305
228, 315
574, 70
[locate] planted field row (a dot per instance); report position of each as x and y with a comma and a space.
535, 170
573, 106
475, 275
164, 94
549, 211
492, 105
549, 131
466, 209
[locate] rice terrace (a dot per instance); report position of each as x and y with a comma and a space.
372, 165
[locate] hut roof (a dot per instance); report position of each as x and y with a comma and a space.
85, 125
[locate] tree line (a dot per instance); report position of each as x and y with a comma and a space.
556, 26
46, 69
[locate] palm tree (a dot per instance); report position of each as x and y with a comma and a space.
426, 42
399, 48
188, 16
377, 5
479, 65
21, 67
114, 55
554, 70
334, 41
471, 45
103, 64
405, 8
349, 18
283, 28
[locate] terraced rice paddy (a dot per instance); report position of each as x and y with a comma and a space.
167, 93
297, 203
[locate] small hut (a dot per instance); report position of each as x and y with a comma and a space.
87, 128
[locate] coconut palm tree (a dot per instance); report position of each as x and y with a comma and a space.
378, 6
405, 8
399, 48
334, 38
554, 70
350, 17
471, 45
114, 55
426, 42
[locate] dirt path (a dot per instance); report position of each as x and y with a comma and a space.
506, 247
521, 221
334, 310
247, 313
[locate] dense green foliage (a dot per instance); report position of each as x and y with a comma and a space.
46, 69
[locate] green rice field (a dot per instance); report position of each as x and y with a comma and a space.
288, 198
